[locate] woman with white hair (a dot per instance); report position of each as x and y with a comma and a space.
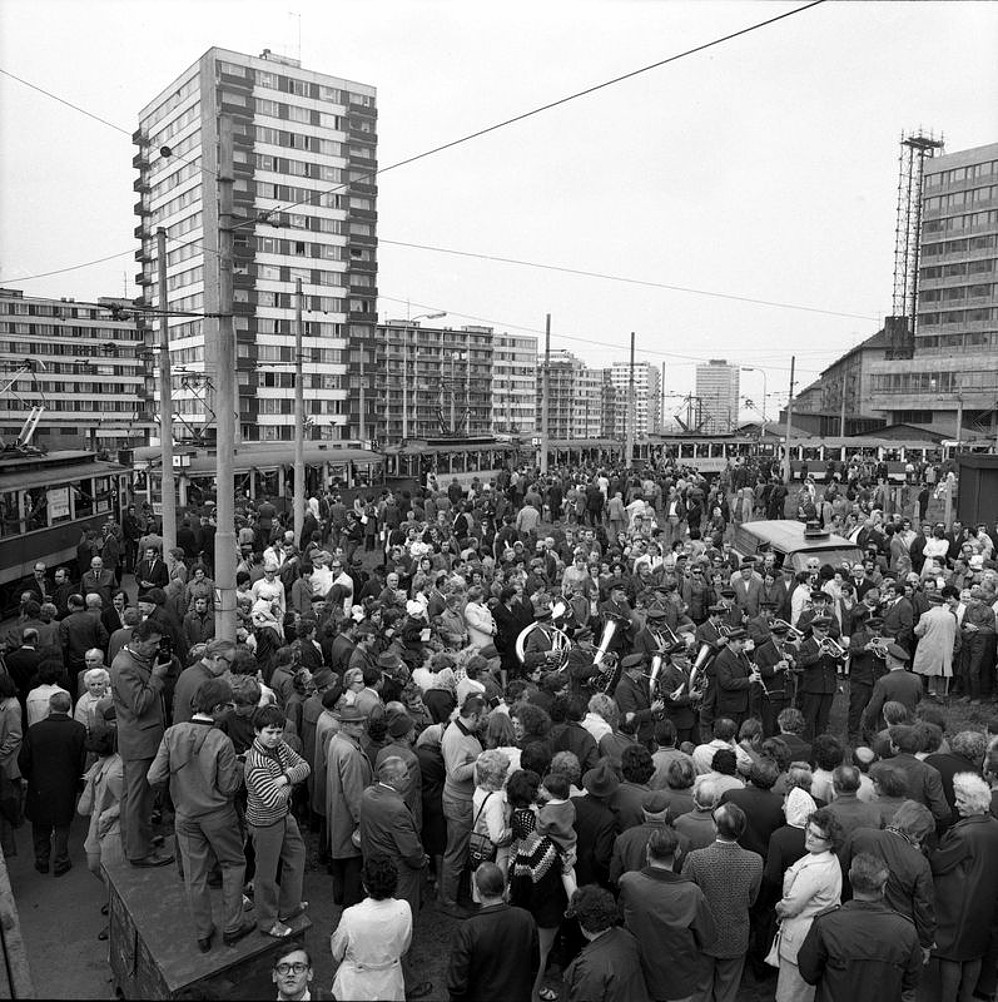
96, 683
490, 811
965, 874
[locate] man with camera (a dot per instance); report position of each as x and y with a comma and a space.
137, 679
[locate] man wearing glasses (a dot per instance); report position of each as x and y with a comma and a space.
293, 975
214, 663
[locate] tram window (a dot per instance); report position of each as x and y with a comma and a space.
83, 497
35, 508
102, 494
10, 516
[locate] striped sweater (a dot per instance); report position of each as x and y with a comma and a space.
268, 803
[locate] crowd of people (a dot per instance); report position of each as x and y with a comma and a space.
561, 710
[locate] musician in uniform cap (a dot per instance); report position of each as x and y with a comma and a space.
617, 607
583, 673
634, 698
898, 685
734, 674
539, 647
655, 636
759, 627
773, 695
675, 687
820, 607
711, 638
864, 668
818, 680
732, 616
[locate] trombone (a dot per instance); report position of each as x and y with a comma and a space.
792, 632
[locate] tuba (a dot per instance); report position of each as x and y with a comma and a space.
560, 645
656, 668
606, 660
698, 673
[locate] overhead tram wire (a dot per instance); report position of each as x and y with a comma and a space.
470, 136
622, 278
570, 337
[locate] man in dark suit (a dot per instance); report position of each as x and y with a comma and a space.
52, 759
633, 699
596, 824
151, 572
735, 674
792, 725
898, 685
137, 680
899, 617
967, 751
763, 808
819, 678
387, 829
23, 662
496, 952
78, 632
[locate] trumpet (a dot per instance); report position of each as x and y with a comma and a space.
833, 649
878, 647
792, 632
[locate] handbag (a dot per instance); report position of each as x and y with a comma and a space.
481, 849
773, 957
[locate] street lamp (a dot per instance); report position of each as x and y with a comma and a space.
405, 367
762, 372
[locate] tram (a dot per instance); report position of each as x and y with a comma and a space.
260, 468
47, 502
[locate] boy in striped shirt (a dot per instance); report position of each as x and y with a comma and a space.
272, 769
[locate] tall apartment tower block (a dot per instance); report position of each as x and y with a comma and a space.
717, 389
305, 208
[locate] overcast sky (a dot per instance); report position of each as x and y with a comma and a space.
764, 168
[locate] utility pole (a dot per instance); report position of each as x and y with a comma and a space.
299, 492
546, 395
629, 430
165, 402
225, 534
790, 410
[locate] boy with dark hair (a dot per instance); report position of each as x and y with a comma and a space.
272, 769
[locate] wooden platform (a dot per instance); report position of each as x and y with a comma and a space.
153, 950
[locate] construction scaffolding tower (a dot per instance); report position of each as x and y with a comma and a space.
900, 327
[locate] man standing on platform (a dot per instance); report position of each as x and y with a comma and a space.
200, 762
137, 687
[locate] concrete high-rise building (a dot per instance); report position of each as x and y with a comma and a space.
647, 399
434, 381
717, 388
949, 382
80, 365
574, 398
514, 384
305, 208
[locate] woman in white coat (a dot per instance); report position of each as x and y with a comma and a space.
810, 885
938, 640
481, 625
372, 937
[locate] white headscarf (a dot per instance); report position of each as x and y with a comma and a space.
799, 807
